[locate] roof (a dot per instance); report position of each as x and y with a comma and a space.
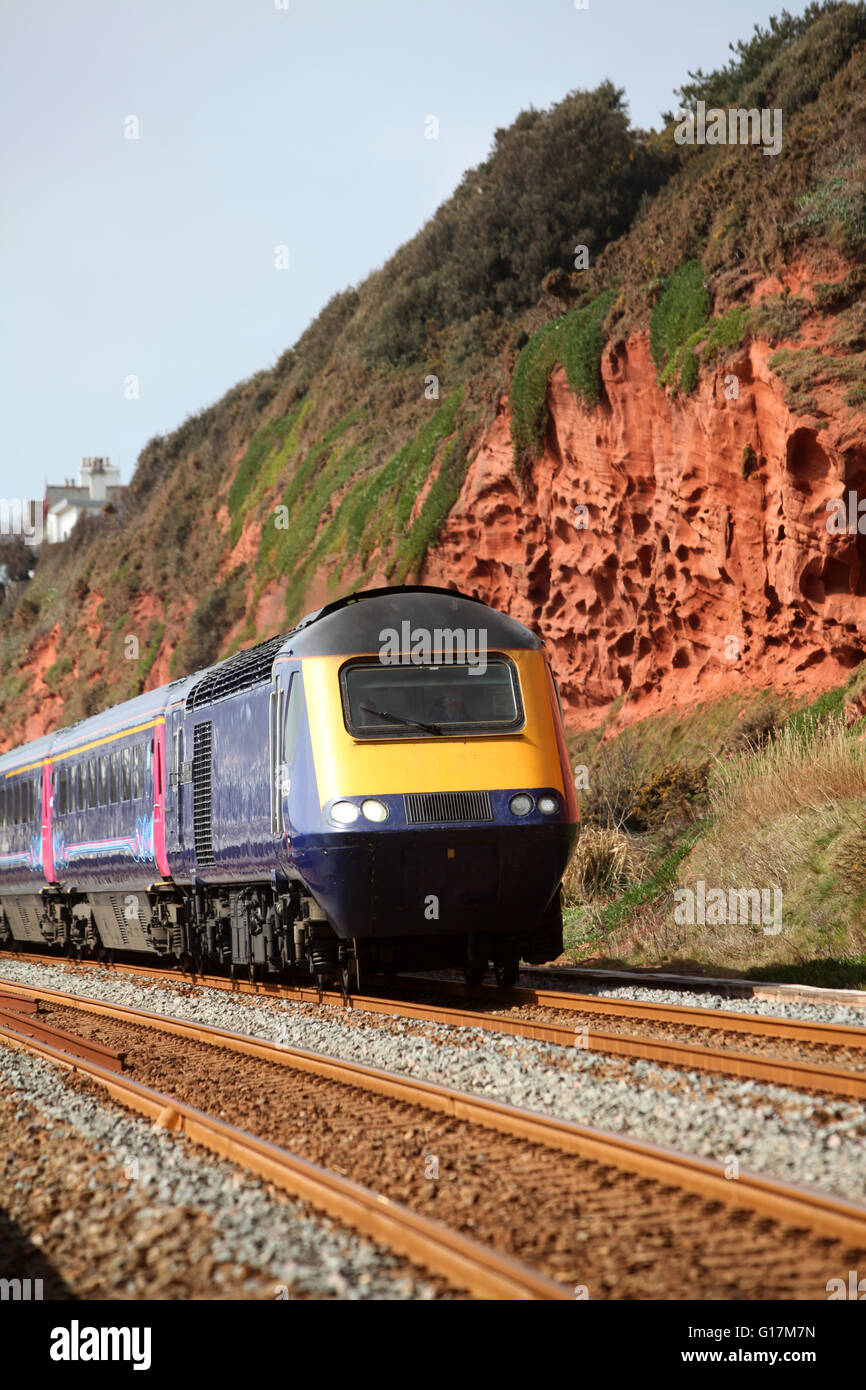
356, 623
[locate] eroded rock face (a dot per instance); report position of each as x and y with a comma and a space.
703, 563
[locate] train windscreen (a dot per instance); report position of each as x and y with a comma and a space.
382, 701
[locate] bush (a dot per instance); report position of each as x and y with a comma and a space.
836, 206
573, 175
672, 794
778, 317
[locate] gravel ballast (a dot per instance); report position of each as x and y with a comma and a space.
816, 1141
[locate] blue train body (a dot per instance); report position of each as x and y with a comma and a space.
265, 815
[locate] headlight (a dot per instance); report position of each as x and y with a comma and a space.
548, 805
374, 810
344, 813
521, 804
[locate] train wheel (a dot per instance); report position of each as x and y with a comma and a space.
474, 973
507, 968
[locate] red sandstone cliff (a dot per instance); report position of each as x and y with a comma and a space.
690, 580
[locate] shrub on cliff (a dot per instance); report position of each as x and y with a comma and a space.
573, 175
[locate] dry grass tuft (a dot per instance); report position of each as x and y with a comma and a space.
604, 860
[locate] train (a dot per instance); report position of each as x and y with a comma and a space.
384, 788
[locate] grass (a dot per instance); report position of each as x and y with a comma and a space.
785, 810
576, 340
803, 369
267, 455
727, 332
836, 206
677, 323
444, 491
375, 507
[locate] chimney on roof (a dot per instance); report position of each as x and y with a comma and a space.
96, 474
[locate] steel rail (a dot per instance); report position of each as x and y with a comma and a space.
86, 1049
463, 1262
756, 989
796, 1206
810, 1076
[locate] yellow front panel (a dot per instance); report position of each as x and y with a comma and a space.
346, 766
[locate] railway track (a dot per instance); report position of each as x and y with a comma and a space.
786, 1052
667, 1211
716, 984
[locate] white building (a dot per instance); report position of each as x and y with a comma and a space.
96, 485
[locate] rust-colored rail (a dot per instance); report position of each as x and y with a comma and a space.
719, 984
16, 1003
28, 1026
799, 1207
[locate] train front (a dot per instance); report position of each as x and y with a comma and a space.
446, 805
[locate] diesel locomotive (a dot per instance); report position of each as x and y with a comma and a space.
385, 787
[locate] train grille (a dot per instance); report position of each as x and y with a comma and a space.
423, 808
201, 792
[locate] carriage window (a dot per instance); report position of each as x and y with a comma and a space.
3, 804
91, 782
60, 790
16, 803
431, 701
138, 771
124, 773
72, 778
114, 776
102, 768
36, 813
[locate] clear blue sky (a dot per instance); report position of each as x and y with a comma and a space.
259, 127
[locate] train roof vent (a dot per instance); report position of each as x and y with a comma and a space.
240, 672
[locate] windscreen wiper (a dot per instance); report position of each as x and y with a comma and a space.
398, 719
